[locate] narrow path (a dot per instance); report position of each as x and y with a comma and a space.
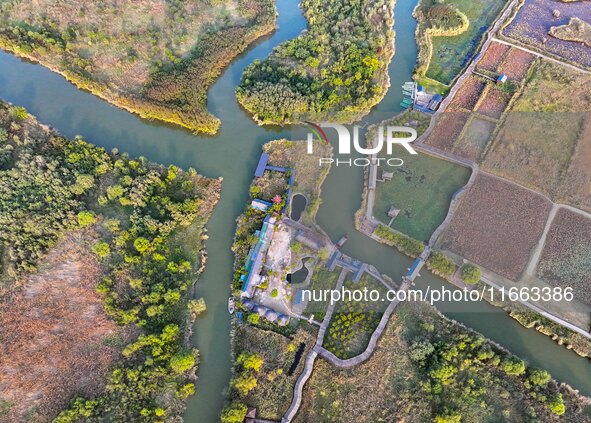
533, 262
371, 346
542, 55
309, 365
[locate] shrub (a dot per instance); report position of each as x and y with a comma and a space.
234, 413
86, 218
470, 273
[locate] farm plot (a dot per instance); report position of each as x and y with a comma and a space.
533, 24
516, 64
451, 53
421, 190
492, 57
577, 181
566, 257
474, 139
497, 225
447, 129
543, 140
468, 95
353, 322
494, 103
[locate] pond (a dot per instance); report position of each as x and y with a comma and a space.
298, 205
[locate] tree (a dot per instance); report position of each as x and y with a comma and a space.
556, 404
19, 113
182, 362
250, 361
253, 318
101, 249
86, 218
234, 413
141, 244
244, 383
470, 273
513, 366
539, 377
323, 253
197, 306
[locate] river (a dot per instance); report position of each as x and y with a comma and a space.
233, 154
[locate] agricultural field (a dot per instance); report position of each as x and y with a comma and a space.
428, 369
99, 253
497, 225
468, 94
421, 189
566, 257
492, 57
544, 141
335, 71
353, 322
155, 58
447, 130
272, 363
495, 101
451, 51
474, 139
516, 64
533, 26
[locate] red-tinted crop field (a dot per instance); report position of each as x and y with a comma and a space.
494, 103
492, 57
497, 225
447, 129
468, 94
516, 64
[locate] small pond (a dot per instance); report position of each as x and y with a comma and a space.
299, 275
298, 204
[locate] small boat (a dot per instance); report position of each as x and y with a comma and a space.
342, 241
405, 105
231, 305
407, 100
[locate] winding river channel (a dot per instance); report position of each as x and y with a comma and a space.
233, 154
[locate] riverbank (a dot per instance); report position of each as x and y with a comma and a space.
331, 72
169, 86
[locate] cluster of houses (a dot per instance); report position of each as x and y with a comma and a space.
258, 267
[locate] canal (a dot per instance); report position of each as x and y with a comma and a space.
233, 155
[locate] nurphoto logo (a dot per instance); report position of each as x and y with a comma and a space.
390, 135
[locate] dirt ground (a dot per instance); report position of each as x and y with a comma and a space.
57, 341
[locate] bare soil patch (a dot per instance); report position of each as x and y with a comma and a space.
447, 130
57, 341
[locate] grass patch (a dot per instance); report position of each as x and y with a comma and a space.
422, 190
449, 54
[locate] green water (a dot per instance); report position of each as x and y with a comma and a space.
233, 154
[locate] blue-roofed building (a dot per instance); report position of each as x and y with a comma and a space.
256, 258
260, 204
501, 79
262, 165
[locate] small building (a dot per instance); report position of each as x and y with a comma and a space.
501, 79
271, 315
262, 165
248, 304
393, 212
260, 204
387, 176
282, 320
251, 415
435, 102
